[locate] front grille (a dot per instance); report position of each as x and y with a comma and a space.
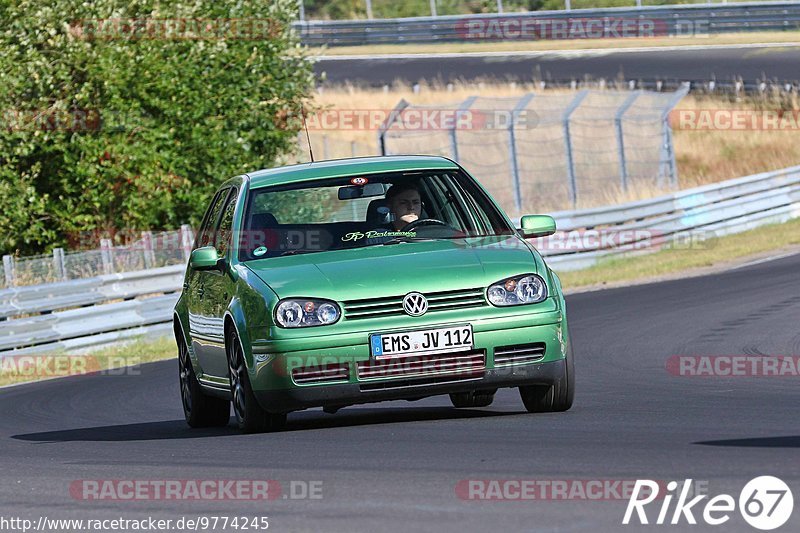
519, 354
393, 305
331, 373
464, 365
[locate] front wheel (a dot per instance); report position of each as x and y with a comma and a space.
199, 409
553, 398
250, 417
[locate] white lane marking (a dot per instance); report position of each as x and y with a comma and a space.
764, 260
595, 52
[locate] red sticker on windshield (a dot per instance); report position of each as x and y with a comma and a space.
359, 181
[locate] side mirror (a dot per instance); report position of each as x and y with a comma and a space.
537, 226
205, 258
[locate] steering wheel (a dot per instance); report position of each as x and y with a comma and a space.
423, 222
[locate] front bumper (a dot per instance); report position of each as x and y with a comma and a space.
343, 394
277, 391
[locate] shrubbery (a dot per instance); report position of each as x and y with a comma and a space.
105, 126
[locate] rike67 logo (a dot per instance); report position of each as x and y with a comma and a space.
765, 503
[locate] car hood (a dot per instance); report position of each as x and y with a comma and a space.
383, 271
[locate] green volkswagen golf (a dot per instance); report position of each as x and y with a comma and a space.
343, 282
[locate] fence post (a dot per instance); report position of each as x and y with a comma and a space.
325, 151
107, 255
8, 269
668, 166
512, 146
59, 267
401, 105
573, 183
465, 105
623, 163
147, 249
187, 240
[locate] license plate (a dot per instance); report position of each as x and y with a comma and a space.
421, 342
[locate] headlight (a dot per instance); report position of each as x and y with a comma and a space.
304, 312
519, 290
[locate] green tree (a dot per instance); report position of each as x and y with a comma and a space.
118, 114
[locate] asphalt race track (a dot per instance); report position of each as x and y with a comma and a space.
719, 63
394, 466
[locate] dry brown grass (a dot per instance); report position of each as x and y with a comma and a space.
702, 156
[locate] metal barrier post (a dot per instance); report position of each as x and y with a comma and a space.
623, 163
58, 264
465, 105
512, 147
107, 255
573, 183
8, 269
401, 105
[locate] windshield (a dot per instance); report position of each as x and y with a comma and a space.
369, 210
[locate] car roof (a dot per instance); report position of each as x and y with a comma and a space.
346, 167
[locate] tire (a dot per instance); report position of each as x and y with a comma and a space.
474, 398
250, 417
553, 398
199, 409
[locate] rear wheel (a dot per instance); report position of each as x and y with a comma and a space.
250, 417
556, 397
473, 398
199, 409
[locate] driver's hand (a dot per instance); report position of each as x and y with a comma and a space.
409, 218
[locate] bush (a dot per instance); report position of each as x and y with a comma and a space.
112, 125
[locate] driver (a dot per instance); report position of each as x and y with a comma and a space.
404, 202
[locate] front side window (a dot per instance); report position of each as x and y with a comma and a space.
222, 239
369, 210
206, 235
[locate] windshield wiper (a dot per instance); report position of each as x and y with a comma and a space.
398, 240
296, 252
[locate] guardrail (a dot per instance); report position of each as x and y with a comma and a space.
671, 20
708, 211
684, 217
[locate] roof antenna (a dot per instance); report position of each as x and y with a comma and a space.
308, 137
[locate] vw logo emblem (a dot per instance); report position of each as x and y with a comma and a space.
415, 304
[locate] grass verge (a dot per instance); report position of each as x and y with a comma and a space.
704, 257
113, 360
557, 45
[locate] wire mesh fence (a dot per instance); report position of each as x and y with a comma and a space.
152, 250
549, 151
